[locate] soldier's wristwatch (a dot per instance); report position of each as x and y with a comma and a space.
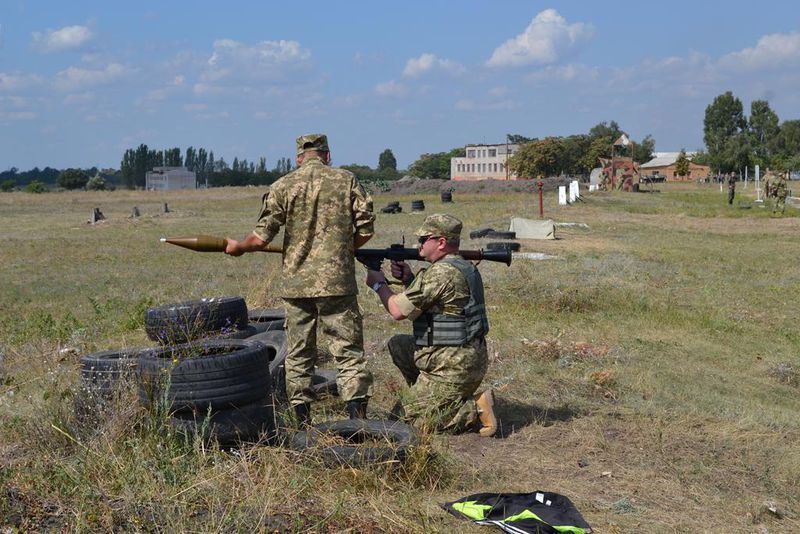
377, 285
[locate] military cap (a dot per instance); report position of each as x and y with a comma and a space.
312, 142
440, 224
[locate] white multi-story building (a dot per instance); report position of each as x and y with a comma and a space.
483, 162
168, 178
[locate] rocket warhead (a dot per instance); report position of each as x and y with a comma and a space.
199, 243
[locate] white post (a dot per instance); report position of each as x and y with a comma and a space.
577, 189
562, 195
758, 184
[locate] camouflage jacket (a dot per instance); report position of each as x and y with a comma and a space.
321, 210
441, 288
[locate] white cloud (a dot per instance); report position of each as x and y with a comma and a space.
75, 78
391, 88
66, 38
546, 40
772, 51
565, 73
79, 98
230, 56
468, 104
14, 81
416, 67
18, 115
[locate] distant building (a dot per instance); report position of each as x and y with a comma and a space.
663, 164
169, 178
483, 162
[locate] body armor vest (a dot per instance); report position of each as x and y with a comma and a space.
456, 330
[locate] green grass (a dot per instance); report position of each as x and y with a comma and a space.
659, 349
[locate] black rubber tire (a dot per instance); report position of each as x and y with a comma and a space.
480, 233
260, 328
182, 322
323, 383
241, 333
275, 341
266, 315
500, 235
247, 423
102, 371
215, 374
395, 203
417, 205
503, 245
392, 209
447, 196
402, 436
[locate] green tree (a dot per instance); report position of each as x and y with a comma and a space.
8, 185
724, 127
387, 161
643, 151
764, 130
36, 187
682, 164
600, 147
787, 142
610, 130
435, 166
72, 179
544, 157
516, 139
97, 183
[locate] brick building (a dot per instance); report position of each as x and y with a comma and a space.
663, 164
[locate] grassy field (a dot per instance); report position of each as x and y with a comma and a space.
650, 372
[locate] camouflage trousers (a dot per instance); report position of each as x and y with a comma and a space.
339, 319
442, 381
780, 204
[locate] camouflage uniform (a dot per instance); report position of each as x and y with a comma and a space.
731, 188
441, 379
779, 192
321, 210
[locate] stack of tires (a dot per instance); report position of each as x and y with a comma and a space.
417, 205
507, 238
218, 317
219, 388
447, 196
392, 207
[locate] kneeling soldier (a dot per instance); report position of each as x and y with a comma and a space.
445, 360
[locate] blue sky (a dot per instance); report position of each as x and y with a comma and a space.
80, 82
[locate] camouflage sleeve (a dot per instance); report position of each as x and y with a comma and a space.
363, 213
426, 291
271, 218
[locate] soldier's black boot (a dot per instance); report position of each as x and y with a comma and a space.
357, 409
302, 413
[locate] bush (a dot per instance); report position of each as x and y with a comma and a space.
36, 187
8, 185
98, 183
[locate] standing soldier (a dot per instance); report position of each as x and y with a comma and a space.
780, 192
731, 187
445, 360
326, 215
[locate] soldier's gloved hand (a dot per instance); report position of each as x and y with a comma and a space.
402, 271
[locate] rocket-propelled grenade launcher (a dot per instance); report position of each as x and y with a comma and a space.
371, 257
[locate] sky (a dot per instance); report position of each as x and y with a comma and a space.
81, 82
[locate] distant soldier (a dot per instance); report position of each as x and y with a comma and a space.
326, 214
731, 188
779, 191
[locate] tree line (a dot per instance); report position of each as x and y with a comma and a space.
735, 141
573, 155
